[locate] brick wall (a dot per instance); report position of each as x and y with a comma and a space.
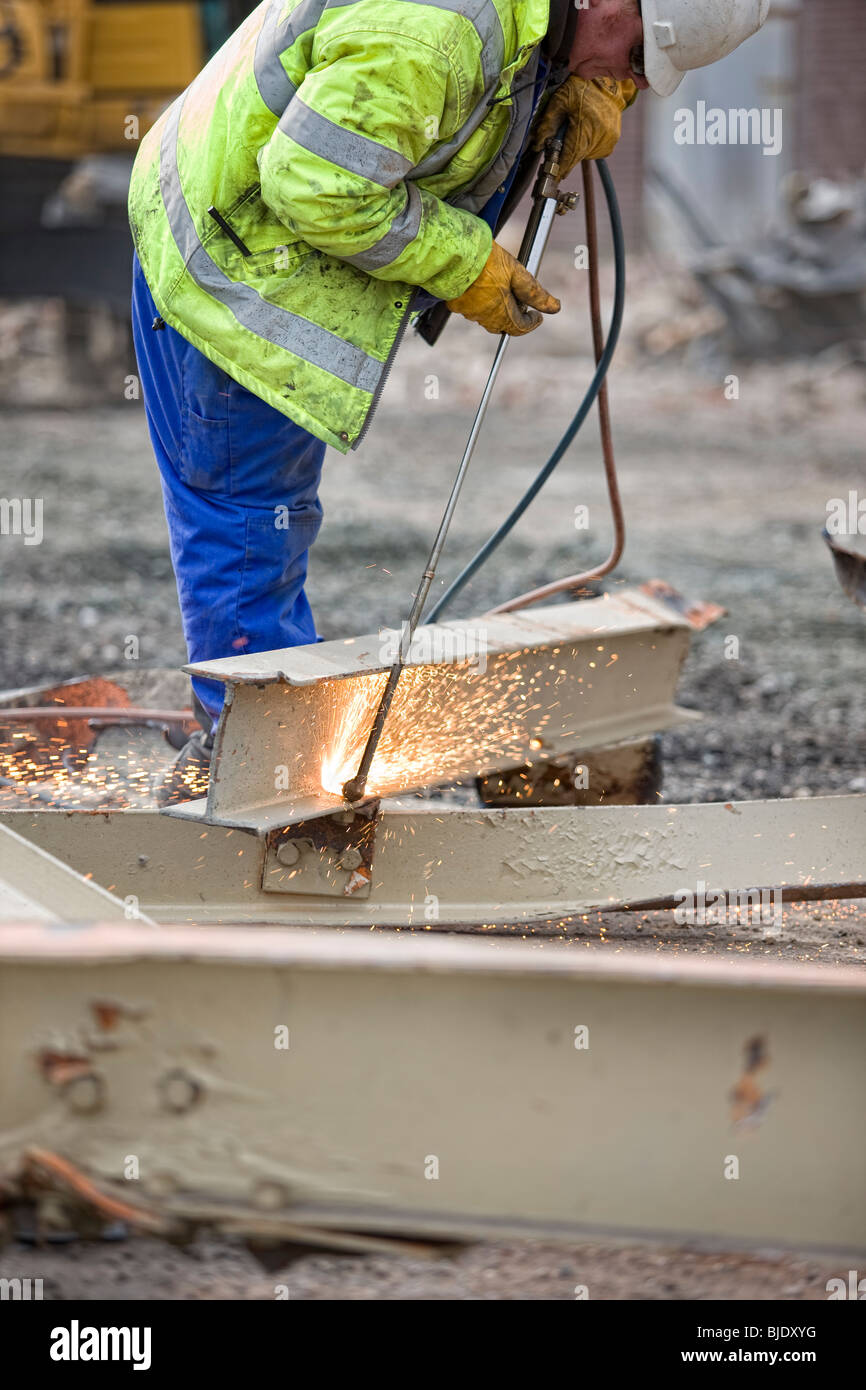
831, 101
627, 165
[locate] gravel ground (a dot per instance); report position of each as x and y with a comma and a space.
725, 499
149, 1269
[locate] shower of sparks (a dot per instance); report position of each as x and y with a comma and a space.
444, 721
40, 768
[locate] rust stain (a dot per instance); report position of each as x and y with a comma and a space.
106, 1014
359, 879
109, 1012
749, 1101
60, 1067
698, 613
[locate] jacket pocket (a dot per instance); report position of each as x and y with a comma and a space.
277, 260
272, 248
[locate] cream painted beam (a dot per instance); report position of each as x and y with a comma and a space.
440, 1085
442, 867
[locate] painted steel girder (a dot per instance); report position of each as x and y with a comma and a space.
418, 1084
477, 696
37, 886
437, 867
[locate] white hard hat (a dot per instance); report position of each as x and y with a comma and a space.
682, 34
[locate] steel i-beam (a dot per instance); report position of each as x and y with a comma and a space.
430, 866
476, 696
438, 1085
36, 886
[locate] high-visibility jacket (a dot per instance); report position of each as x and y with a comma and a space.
329, 158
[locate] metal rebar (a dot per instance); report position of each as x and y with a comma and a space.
106, 714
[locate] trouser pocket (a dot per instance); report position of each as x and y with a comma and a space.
204, 461
204, 452
271, 604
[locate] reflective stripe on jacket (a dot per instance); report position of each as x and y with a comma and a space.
347, 146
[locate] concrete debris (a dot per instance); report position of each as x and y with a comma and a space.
803, 288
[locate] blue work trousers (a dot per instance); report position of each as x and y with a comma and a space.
240, 484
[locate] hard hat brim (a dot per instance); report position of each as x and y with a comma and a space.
660, 72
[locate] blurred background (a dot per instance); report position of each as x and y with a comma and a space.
82, 80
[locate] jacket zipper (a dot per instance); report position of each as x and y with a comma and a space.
386, 372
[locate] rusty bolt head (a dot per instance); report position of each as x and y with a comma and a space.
288, 853
85, 1095
179, 1091
350, 859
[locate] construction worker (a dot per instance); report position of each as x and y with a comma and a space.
335, 168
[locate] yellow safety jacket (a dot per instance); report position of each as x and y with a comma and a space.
329, 158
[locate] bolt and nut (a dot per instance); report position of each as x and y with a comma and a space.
179, 1091
85, 1095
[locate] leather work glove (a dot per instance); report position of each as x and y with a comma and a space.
498, 299
593, 109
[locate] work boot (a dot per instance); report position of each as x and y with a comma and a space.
186, 779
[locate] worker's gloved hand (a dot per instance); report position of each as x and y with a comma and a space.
505, 298
593, 109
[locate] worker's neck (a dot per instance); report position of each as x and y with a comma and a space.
561, 25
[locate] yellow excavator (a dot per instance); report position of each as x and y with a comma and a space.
80, 82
